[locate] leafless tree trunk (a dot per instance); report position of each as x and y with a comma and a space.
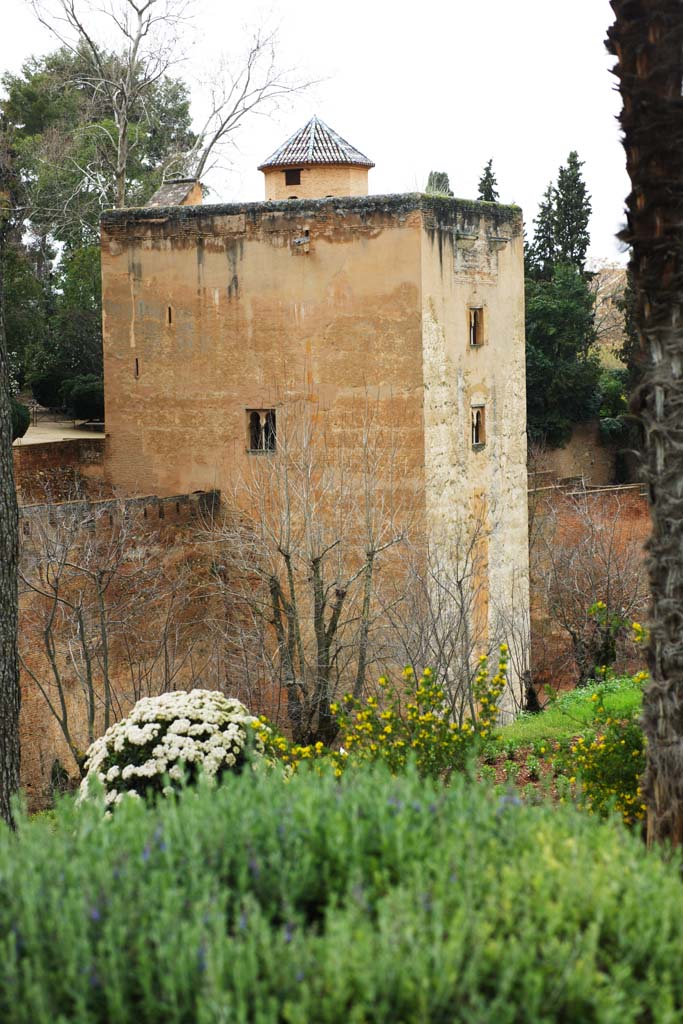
145, 38
437, 613
103, 622
585, 553
241, 85
10, 697
647, 39
299, 551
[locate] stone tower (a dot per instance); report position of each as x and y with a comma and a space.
316, 163
221, 322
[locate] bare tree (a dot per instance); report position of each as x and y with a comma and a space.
251, 83
105, 620
146, 38
10, 697
299, 551
647, 39
437, 612
585, 552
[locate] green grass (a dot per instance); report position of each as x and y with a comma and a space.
572, 713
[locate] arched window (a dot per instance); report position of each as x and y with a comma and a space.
476, 326
478, 426
261, 435
254, 431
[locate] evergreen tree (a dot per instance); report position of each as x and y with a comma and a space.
572, 213
488, 191
438, 184
541, 254
563, 370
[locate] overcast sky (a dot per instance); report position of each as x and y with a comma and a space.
444, 87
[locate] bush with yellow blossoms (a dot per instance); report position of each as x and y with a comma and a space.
605, 768
408, 722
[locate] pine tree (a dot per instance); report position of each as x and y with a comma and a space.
572, 213
488, 192
438, 184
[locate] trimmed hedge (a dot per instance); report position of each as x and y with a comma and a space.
361, 900
21, 418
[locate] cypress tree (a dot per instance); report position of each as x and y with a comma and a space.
488, 191
572, 213
542, 252
438, 184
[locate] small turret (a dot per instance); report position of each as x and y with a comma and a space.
316, 163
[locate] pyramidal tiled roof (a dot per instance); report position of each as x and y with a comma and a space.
316, 143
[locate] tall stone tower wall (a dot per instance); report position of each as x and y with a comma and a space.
219, 318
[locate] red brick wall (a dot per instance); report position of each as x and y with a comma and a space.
58, 470
563, 526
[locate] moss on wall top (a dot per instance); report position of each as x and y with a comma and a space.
442, 211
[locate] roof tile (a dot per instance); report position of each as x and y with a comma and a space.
316, 143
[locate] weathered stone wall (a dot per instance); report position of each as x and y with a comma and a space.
255, 322
210, 312
473, 259
584, 455
317, 182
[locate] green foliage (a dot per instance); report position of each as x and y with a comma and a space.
21, 419
563, 370
607, 767
541, 254
76, 327
66, 140
372, 898
561, 225
83, 397
438, 184
26, 302
417, 722
572, 213
615, 420
571, 713
410, 724
70, 346
488, 191
46, 386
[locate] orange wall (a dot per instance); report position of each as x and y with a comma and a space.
318, 182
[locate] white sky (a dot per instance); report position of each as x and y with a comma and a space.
444, 88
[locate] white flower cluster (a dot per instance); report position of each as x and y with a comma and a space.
170, 735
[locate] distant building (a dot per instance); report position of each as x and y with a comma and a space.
213, 313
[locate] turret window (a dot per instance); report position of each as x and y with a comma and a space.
293, 177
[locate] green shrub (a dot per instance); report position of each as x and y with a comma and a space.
46, 387
84, 397
607, 767
411, 722
21, 419
370, 899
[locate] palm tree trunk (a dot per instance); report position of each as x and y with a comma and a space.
647, 39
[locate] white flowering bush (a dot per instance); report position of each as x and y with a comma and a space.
168, 740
